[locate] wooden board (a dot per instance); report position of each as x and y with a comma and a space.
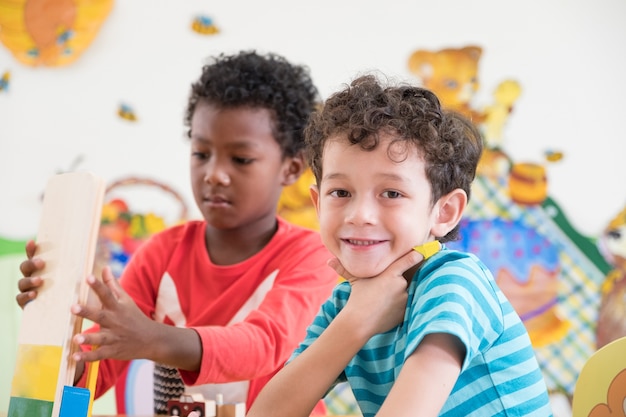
66, 239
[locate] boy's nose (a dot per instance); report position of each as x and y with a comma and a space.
215, 175
361, 211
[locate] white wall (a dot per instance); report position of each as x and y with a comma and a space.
569, 56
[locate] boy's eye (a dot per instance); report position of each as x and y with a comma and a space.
392, 194
340, 193
242, 161
200, 155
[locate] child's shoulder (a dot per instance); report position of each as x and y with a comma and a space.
186, 227
447, 256
188, 230
455, 263
291, 232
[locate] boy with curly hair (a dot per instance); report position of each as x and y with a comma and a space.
218, 303
417, 329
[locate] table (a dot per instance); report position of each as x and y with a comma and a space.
4, 414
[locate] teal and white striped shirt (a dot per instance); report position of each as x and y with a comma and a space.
454, 293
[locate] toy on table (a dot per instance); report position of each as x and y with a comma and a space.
66, 241
196, 403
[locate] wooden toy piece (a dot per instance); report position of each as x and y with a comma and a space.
187, 403
229, 410
92, 378
75, 402
428, 249
66, 241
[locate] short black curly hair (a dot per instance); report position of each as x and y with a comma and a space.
249, 79
449, 143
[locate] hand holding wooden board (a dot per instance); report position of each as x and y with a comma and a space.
66, 240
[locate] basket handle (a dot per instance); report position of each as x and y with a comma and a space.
146, 181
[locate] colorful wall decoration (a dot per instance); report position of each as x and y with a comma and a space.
50, 32
551, 273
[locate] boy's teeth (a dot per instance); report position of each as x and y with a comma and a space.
362, 242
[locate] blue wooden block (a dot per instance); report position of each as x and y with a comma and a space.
74, 402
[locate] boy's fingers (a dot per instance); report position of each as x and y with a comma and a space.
101, 290
25, 297
31, 247
340, 270
112, 283
88, 313
90, 355
398, 267
405, 262
107, 292
29, 283
28, 267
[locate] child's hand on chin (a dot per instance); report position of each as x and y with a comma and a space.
379, 302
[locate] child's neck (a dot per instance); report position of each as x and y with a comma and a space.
228, 247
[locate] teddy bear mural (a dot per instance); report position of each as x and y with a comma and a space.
550, 272
524, 262
452, 73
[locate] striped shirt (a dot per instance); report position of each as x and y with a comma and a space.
453, 293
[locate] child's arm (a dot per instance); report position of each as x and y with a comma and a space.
125, 331
426, 379
375, 305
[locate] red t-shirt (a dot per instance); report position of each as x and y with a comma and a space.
250, 316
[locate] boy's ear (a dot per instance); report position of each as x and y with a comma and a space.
294, 167
448, 212
315, 198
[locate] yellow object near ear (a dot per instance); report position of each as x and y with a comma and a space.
428, 249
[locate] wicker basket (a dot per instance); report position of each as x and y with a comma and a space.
124, 226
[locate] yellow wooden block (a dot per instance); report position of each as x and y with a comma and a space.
38, 373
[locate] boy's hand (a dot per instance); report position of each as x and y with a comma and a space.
125, 330
29, 284
378, 303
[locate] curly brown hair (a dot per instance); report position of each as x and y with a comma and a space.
269, 81
449, 143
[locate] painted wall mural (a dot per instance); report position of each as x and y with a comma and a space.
204, 25
50, 32
612, 314
551, 273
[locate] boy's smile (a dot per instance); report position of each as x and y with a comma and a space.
372, 209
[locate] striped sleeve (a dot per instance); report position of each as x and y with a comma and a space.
454, 297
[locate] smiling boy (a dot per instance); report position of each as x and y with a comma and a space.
412, 336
